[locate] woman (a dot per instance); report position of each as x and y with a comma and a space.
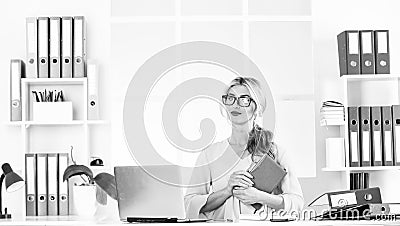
223, 186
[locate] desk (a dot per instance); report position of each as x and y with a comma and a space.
79, 221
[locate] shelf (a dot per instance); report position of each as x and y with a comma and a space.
365, 168
74, 122
54, 81
371, 77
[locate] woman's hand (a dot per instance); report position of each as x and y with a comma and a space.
239, 179
248, 196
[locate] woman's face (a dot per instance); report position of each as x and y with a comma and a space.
238, 113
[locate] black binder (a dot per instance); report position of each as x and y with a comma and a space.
396, 134
382, 53
387, 135
354, 150
367, 52
376, 147
349, 52
365, 136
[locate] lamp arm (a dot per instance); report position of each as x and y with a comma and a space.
1, 191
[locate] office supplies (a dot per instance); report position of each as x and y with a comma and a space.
365, 135
63, 194
349, 54
17, 68
354, 149
43, 46
146, 195
382, 53
376, 147
367, 52
396, 134
13, 182
163, 220
354, 197
30, 189
387, 135
41, 184
52, 200
367, 211
66, 47
79, 46
55, 47
93, 108
31, 48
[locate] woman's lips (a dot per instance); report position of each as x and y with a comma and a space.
235, 113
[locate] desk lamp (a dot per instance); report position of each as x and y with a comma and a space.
13, 183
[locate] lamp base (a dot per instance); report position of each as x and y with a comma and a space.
5, 216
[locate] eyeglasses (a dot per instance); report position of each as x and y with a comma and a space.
242, 101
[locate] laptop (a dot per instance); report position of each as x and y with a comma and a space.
150, 194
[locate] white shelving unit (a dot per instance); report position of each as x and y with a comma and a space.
366, 90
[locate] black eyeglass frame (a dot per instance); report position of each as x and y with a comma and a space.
237, 99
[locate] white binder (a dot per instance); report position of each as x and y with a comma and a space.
63, 207
55, 47
66, 47
30, 190
52, 197
93, 108
79, 47
31, 48
42, 184
16, 73
43, 46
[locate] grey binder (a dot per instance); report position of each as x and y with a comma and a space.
354, 147
66, 47
52, 184
55, 47
16, 73
382, 52
63, 193
387, 135
367, 52
31, 48
349, 52
43, 46
365, 136
396, 134
376, 148
79, 52
42, 184
30, 184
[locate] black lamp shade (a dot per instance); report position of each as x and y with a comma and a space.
13, 181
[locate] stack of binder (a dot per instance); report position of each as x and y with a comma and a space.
55, 47
332, 113
46, 193
359, 181
364, 52
374, 135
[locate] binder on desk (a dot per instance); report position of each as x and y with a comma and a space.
30, 184
79, 52
354, 149
387, 135
349, 52
52, 197
367, 52
376, 148
16, 73
31, 48
42, 184
43, 46
382, 54
396, 134
365, 135
66, 47
55, 47
63, 206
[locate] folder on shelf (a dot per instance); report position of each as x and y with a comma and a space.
382, 54
31, 48
387, 135
367, 61
55, 47
16, 73
30, 185
79, 47
66, 47
366, 180
354, 149
351, 181
93, 103
396, 134
52, 196
349, 52
376, 148
63, 195
42, 184
365, 135
43, 46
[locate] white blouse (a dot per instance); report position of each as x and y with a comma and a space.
218, 162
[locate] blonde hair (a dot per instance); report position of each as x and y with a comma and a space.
260, 140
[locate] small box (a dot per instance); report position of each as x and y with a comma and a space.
52, 111
335, 155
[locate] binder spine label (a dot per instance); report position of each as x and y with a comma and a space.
354, 147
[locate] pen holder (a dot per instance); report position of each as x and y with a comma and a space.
52, 111
84, 200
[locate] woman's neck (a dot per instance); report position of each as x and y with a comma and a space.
240, 134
